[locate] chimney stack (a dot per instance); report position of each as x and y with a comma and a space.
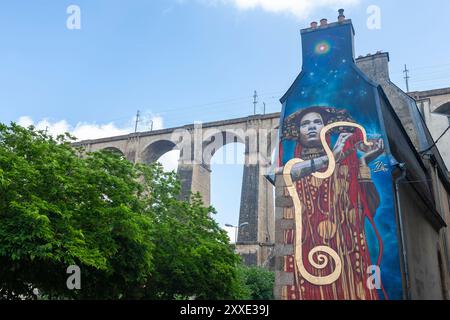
324, 21
341, 17
320, 39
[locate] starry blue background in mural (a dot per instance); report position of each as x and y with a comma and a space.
330, 78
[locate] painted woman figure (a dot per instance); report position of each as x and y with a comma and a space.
334, 210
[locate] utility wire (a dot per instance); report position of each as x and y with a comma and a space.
434, 144
440, 66
431, 66
225, 104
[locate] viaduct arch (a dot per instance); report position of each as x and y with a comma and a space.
197, 144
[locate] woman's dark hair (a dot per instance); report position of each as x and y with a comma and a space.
291, 125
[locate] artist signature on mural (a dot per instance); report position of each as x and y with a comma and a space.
379, 166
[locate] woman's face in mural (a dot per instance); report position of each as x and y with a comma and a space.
310, 126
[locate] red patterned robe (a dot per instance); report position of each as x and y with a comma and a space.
334, 214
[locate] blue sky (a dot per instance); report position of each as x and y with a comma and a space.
191, 60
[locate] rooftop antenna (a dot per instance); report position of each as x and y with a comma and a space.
255, 102
264, 104
138, 115
407, 77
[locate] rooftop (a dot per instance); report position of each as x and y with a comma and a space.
429, 93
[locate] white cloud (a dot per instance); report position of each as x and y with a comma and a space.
53, 129
231, 233
25, 121
300, 8
169, 161
146, 122
89, 131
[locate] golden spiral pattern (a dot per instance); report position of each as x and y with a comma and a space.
321, 252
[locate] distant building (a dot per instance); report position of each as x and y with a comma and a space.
434, 105
425, 117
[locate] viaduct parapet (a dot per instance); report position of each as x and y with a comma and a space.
197, 144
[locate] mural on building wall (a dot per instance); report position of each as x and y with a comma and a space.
336, 163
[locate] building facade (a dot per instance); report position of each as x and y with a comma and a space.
434, 105
373, 207
362, 191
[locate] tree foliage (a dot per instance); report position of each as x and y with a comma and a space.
258, 282
122, 224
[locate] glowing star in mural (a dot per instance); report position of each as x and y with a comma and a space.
322, 48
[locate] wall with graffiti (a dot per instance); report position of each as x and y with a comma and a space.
335, 159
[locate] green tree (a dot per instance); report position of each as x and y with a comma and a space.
259, 282
123, 225
194, 257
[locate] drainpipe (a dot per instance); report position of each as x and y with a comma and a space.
402, 178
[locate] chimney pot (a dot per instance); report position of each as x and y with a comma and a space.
323, 22
314, 24
341, 17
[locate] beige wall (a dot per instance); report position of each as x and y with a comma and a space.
422, 245
442, 201
437, 124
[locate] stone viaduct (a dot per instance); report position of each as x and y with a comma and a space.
197, 144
